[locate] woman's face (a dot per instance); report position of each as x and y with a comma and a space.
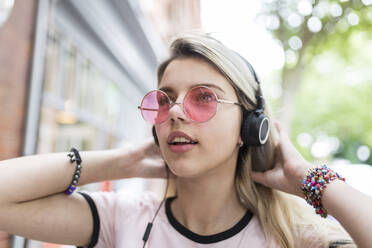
217, 139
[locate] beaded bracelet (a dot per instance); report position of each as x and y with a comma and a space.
313, 185
74, 157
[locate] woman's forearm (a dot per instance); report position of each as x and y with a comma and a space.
352, 209
31, 177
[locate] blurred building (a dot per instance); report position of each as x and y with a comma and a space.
171, 17
73, 73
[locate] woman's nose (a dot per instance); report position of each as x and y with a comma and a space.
176, 112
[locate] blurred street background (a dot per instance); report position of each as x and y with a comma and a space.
72, 73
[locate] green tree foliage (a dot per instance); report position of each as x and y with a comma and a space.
317, 24
326, 79
335, 98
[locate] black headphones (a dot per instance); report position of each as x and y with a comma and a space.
255, 126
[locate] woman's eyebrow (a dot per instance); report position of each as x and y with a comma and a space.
168, 89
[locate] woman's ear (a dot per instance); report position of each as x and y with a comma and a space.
240, 142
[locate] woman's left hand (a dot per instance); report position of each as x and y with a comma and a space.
289, 169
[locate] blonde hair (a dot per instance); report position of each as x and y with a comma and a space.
283, 219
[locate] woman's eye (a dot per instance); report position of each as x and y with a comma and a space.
163, 100
206, 97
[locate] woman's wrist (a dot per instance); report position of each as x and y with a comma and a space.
314, 184
300, 175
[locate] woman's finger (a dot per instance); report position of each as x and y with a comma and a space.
277, 126
285, 144
258, 177
281, 148
278, 156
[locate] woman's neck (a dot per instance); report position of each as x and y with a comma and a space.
209, 204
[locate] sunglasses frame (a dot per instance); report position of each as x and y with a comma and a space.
172, 103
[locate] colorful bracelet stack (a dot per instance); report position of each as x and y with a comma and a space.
313, 185
74, 157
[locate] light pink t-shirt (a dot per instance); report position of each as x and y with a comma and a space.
121, 220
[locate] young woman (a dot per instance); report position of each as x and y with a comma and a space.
232, 169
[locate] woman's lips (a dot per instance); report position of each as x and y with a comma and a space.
174, 134
181, 148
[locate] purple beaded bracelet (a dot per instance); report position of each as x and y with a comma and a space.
74, 157
313, 185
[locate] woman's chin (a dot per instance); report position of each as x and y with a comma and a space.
184, 170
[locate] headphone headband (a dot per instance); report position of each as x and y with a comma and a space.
259, 97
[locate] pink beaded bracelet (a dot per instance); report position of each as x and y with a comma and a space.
313, 185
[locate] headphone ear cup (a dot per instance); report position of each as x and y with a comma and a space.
245, 128
255, 128
155, 136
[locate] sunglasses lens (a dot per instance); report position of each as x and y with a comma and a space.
155, 107
200, 104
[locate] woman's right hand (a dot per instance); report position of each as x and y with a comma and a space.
145, 160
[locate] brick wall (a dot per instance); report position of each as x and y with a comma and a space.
16, 43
